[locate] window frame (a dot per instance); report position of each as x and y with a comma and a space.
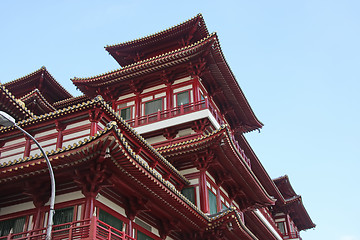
188, 95
153, 100
195, 196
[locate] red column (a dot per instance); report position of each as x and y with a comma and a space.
137, 109
169, 97
218, 199
196, 89
27, 146
204, 196
60, 128
89, 204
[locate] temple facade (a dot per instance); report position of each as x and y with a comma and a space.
153, 150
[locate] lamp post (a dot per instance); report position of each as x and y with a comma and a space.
7, 120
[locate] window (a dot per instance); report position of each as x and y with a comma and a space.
153, 106
64, 215
16, 224
182, 98
125, 113
281, 227
212, 202
189, 193
142, 236
110, 220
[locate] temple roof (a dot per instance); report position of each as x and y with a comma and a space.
100, 103
256, 225
229, 163
42, 80
14, 107
37, 103
219, 79
156, 44
121, 155
294, 205
260, 171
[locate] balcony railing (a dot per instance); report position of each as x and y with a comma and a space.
84, 229
176, 112
292, 235
266, 213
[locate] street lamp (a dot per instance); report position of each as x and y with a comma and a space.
7, 121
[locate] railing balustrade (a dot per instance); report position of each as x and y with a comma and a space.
292, 235
266, 213
175, 112
84, 229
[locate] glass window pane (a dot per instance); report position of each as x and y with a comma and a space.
189, 193
153, 106
64, 215
143, 236
183, 98
16, 224
212, 202
110, 220
281, 226
125, 113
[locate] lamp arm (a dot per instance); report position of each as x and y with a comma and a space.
52, 179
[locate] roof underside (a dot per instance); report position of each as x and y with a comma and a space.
42, 80
156, 44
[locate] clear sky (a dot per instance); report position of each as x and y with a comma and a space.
297, 62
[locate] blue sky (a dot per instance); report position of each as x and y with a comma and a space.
296, 61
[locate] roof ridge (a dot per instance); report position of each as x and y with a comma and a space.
136, 64
198, 16
16, 101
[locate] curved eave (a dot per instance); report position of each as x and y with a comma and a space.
215, 137
299, 214
12, 106
260, 171
284, 186
138, 45
31, 78
99, 102
231, 89
293, 204
258, 227
71, 101
122, 157
35, 97
155, 64
232, 225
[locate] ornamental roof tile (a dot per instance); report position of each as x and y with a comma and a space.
35, 97
175, 37
155, 35
160, 59
98, 101
21, 86
13, 106
223, 133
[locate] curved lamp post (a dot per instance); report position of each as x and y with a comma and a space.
7, 120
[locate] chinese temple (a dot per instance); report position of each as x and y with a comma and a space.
153, 150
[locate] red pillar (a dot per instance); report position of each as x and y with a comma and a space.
137, 109
27, 146
89, 205
60, 128
204, 196
196, 89
169, 96
218, 199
